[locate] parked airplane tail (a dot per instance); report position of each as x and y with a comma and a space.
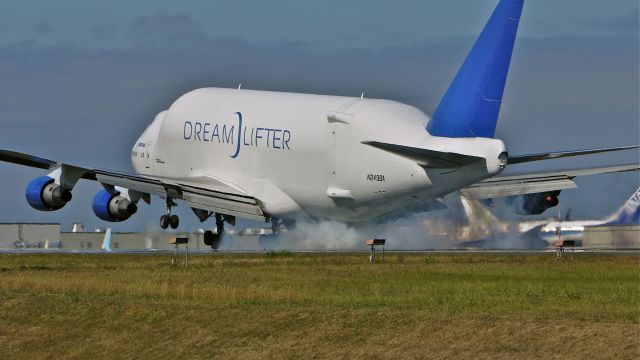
471, 105
629, 213
106, 242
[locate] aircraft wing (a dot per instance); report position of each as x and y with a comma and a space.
519, 159
536, 182
224, 198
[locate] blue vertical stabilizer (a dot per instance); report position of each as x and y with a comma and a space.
629, 213
471, 105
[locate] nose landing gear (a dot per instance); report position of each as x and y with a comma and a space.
167, 219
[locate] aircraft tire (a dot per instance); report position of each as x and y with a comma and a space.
208, 237
174, 221
164, 221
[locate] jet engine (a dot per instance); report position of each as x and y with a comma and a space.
113, 206
533, 204
44, 194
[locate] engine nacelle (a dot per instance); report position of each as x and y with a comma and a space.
113, 207
533, 204
44, 194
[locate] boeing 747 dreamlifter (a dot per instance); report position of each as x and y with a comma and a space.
276, 156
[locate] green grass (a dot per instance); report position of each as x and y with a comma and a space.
282, 305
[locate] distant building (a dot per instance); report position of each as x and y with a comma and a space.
77, 227
611, 237
29, 236
128, 240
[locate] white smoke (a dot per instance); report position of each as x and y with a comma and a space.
321, 235
412, 232
465, 224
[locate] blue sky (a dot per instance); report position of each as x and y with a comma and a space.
81, 80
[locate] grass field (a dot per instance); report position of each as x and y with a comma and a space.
282, 305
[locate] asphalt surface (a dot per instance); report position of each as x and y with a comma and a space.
626, 252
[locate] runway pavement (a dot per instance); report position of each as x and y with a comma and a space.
626, 252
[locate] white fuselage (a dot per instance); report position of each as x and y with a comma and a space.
566, 230
302, 154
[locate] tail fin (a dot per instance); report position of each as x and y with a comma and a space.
629, 213
471, 105
106, 242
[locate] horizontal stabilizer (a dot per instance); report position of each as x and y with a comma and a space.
425, 157
519, 159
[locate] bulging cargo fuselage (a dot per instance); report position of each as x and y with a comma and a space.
302, 154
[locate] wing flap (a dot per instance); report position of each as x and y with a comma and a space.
228, 207
536, 182
225, 199
139, 184
229, 203
496, 190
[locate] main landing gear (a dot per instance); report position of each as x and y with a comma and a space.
167, 219
213, 239
270, 241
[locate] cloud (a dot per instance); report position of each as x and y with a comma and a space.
163, 29
43, 28
626, 24
104, 32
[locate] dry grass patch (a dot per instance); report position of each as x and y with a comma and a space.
319, 305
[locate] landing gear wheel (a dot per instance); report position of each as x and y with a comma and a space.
174, 221
208, 237
213, 239
164, 221
168, 219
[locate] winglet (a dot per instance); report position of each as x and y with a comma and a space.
471, 105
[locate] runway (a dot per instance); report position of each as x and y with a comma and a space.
625, 252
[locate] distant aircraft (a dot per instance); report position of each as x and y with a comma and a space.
484, 229
627, 214
276, 157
